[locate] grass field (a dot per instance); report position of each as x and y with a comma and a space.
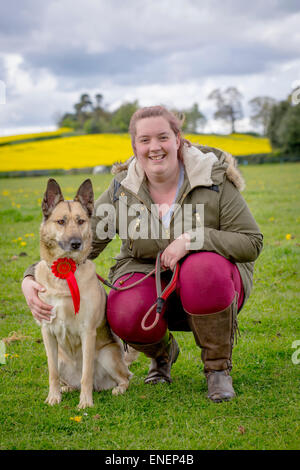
265, 413
105, 149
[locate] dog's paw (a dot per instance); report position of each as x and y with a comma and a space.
85, 402
120, 389
53, 398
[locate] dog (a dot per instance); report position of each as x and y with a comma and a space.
83, 353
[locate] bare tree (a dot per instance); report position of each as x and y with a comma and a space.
229, 106
261, 111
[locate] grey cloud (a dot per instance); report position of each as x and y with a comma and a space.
267, 9
125, 67
79, 63
18, 17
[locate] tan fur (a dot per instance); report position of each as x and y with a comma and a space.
232, 172
82, 352
118, 167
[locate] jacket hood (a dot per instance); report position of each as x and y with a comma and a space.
204, 166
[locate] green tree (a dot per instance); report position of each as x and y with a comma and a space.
69, 120
92, 126
194, 119
121, 117
289, 130
278, 111
83, 109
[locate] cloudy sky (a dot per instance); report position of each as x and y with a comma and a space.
172, 52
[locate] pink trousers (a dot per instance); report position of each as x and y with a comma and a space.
207, 283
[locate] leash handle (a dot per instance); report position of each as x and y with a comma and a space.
145, 318
161, 296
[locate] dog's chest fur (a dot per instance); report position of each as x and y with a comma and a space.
65, 325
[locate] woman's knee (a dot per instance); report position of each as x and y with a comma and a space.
207, 283
126, 309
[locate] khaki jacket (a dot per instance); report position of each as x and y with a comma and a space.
218, 215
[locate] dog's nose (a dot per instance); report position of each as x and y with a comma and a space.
75, 243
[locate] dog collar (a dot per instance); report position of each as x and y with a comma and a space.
64, 268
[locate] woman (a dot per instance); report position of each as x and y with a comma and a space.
216, 249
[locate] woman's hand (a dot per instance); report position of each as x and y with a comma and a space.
175, 251
40, 310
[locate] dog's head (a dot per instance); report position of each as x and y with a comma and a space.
66, 228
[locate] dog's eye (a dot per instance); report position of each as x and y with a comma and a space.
61, 222
81, 221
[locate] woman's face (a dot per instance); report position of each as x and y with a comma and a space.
156, 147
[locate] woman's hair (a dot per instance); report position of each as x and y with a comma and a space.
175, 122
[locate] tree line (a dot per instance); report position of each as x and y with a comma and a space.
91, 116
278, 120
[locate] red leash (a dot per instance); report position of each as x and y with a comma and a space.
161, 295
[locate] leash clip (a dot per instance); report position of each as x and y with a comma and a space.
159, 304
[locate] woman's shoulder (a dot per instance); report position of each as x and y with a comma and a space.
225, 168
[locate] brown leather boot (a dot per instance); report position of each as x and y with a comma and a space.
163, 354
214, 333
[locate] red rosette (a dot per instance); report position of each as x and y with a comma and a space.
64, 268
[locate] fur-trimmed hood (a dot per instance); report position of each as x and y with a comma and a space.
204, 165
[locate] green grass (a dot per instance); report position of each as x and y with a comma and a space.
265, 414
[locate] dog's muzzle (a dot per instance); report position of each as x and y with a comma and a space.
74, 244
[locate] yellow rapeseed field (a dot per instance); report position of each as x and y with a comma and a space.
105, 149
14, 138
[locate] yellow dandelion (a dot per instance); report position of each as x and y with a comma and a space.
20, 238
23, 243
271, 219
5, 193
76, 418
14, 240
18, 206
288, 236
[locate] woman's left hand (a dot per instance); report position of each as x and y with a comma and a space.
175, 251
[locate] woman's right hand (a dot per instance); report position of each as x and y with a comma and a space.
39, 309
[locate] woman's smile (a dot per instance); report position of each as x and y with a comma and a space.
157, 158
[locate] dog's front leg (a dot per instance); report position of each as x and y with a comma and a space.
88, 341
51, 347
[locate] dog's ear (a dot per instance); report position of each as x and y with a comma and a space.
52, 197
85, 195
